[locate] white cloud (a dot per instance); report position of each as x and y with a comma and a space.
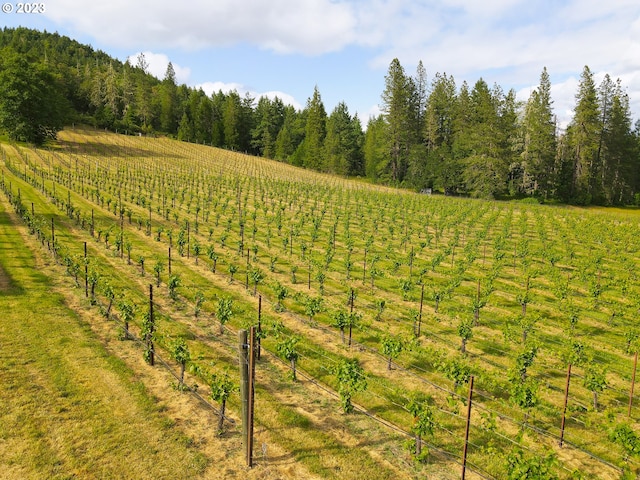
563, 96
285, 97
158, 63
564, 93
509, 42
213, 87
367, 115
504, 41
309, 26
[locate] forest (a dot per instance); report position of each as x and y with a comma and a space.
469, 140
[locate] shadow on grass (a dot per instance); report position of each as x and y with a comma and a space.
8, 286
98, 149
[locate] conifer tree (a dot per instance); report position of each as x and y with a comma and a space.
442, 169
168, 117
401, 116
540, 144
231, 118
32, 109
583, 138
619, 160
374, 148
343, 143
315, 132
484, 164
289, 136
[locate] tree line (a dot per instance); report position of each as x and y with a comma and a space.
482, 142
468, 140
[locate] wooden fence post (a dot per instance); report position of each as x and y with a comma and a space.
151, 329
416, 332
251, 394
633, 382
564, 411
86, 272
244, 383
466, 432
258, 352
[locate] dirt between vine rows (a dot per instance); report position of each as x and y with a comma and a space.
224, 453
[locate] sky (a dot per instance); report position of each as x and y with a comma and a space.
344, 47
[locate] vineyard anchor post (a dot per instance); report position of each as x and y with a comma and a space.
633, 382
243, 351
466, 432
564, 411
251, 403
259, 331
86, 272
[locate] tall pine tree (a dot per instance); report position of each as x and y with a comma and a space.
343, 143
400, 111
540, 144
583, 142
618, 156
314, 133
168, 107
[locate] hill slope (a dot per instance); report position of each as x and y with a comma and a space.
421, 291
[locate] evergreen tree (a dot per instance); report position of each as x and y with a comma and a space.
143, 93
269, 117
168, 101
32, 109
343, 143
416, 167
112, 95
634, 177
452, 178
583, 141
399, 108
315, 132
232, 121
421, 95
375, 148
441, 168
356, 158
185, 129
290, 135
484, 166
203, 118
217, 120
128, 122
618, 153
540, 143
247, 122
509, 130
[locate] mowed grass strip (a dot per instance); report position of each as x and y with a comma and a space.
69, 409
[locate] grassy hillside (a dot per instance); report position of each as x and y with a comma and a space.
437, 290
69, 408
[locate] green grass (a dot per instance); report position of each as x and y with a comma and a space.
349, 462
69, 409
590, 245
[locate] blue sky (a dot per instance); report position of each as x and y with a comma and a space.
287, 47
